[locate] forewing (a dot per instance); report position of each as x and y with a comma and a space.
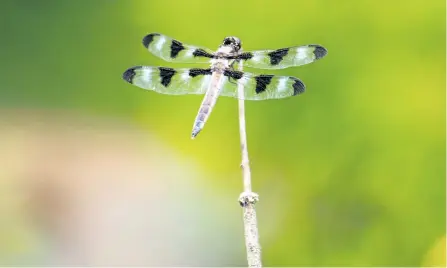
260, 87
173, 50
282, 58
168, 80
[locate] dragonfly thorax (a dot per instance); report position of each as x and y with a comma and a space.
219, 65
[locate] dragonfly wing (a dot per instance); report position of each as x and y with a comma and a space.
260, 87
282, 58
168, 80
173, 50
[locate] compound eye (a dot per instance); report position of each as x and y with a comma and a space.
227, 42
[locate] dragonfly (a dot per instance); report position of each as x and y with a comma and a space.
220, 78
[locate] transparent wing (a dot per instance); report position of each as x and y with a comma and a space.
168, 80
282, 58
173, 50
261, 87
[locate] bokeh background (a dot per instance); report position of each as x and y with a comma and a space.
95, 171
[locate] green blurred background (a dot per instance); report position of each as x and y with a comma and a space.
98, 172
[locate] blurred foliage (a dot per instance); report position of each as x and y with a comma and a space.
436, 255
355, 166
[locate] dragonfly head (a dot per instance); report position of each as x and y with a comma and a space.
232, 42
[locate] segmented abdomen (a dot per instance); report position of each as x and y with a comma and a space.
208, 103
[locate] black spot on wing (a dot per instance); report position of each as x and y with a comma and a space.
147, 40
166, 75
246, 56
233, 74
298, 86
262, 81
176, 47
196, 71
277, 55
130, 73
319, 51
202, 53
243, 56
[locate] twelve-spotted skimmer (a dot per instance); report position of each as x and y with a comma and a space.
220, 78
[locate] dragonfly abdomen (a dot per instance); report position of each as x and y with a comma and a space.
201, 118
208, 103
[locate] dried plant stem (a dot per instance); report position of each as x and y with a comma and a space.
247, 198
